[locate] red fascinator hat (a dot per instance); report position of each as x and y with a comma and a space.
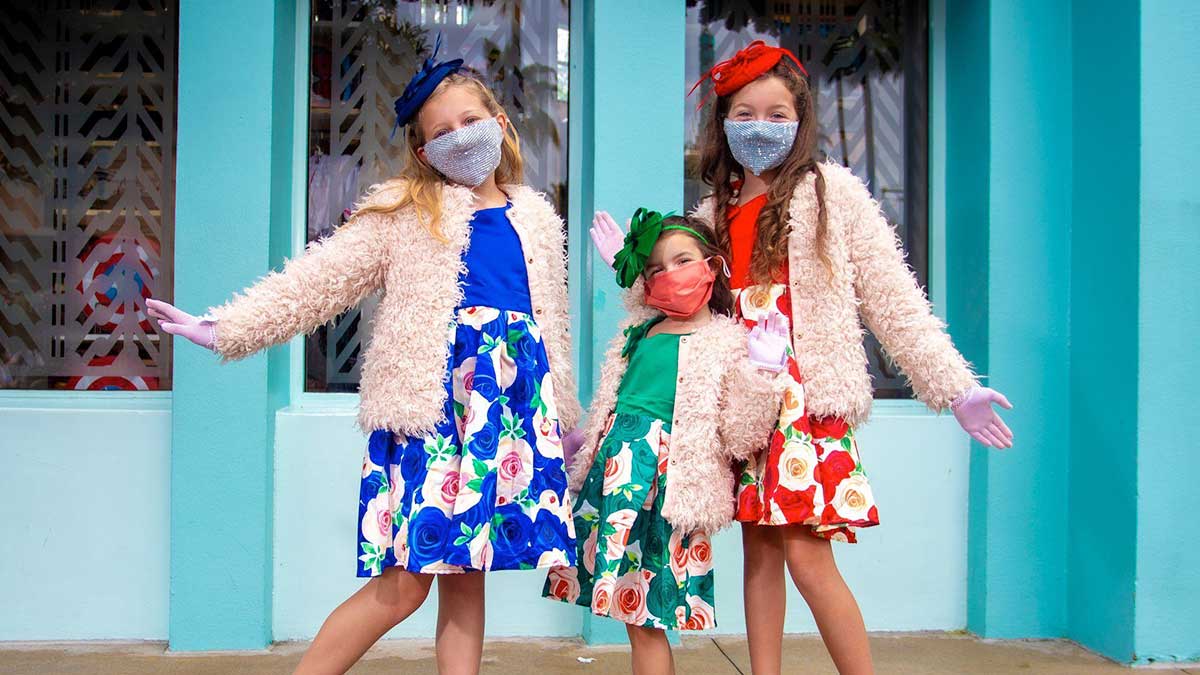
743, 68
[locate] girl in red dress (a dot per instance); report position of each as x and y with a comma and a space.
807, 242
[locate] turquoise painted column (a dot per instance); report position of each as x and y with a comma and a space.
634, 53
1102, 528
968, 152
1168, 323
1008, 224
1073, 221
233, 138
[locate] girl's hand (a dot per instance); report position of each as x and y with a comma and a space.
571, 443
607, 236
769, 342
178, 322
975, 414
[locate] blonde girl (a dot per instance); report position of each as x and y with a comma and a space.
467, 379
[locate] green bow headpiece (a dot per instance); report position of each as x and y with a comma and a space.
644, 230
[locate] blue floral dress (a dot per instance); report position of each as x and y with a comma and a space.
487, 489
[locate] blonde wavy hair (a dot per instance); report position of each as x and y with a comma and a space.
420, 185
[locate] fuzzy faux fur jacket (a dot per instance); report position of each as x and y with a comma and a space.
869, 279
725, 409
402, 387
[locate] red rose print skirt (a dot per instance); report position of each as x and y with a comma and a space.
811, 473
633, 565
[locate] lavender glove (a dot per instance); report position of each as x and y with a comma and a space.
175, 321
571, 442
607, 236
974, 412
768, 343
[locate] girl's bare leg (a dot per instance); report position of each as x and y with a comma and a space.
814, 571
362, 619
764, 594
651, 653
460, 623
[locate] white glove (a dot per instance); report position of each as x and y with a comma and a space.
974, 412
607, 236
769, 342
178, 322
571, 442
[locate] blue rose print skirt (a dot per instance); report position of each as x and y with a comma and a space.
486, 490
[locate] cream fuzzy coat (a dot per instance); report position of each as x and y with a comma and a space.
402, 386
724, 409
870, 279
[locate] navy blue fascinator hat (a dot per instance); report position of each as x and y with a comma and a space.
422, 85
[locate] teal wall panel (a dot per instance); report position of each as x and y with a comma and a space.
84, 537
968, 144
1007, 228
1028, 281
1102, 528
228, 195
1168, 553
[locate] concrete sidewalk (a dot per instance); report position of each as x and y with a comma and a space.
902, 654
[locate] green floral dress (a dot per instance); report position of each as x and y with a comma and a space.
633, 565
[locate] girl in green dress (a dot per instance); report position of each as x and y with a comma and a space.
654, 477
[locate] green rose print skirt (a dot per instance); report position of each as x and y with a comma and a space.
632, 565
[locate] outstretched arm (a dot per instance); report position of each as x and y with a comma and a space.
895, 308
332, 275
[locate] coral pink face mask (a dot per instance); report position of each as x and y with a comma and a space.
681, 292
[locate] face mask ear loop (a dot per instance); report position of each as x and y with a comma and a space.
724, 266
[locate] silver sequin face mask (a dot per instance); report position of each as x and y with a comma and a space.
468, 155
759, 145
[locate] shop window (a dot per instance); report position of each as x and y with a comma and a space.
362, 53
868, 63
87, 192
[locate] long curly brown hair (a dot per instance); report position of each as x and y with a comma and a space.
721, 301
719, 169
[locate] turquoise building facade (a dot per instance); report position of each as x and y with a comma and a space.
1064, 252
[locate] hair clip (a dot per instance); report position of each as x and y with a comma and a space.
747, 65
422, 85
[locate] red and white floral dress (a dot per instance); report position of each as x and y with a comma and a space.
811, 473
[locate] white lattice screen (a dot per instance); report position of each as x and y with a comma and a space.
87, 178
